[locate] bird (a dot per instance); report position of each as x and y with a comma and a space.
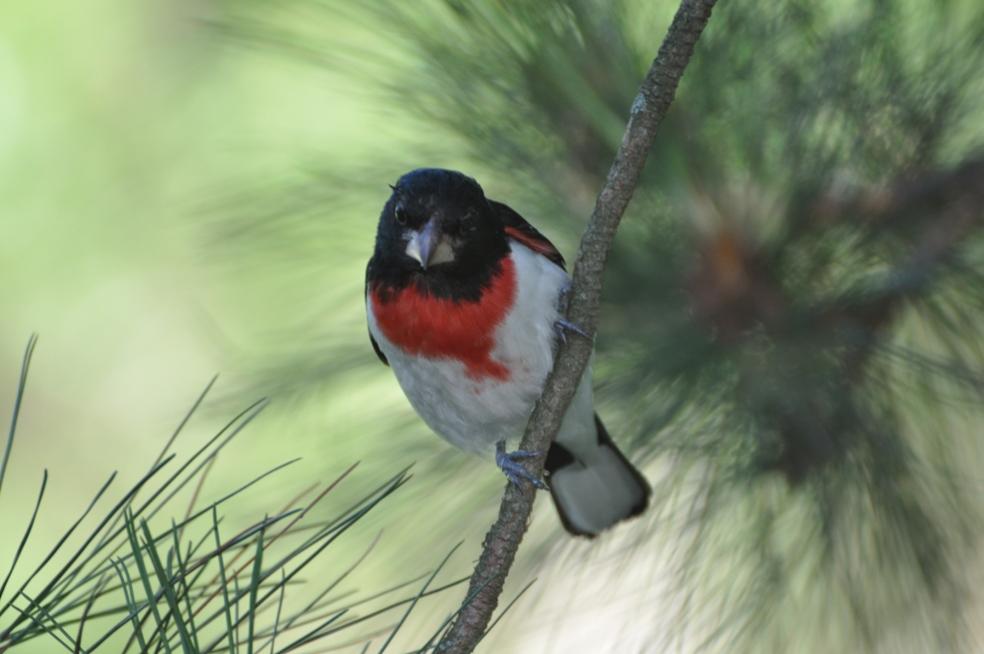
463, 301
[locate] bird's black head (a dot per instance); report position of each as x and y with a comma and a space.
438, 230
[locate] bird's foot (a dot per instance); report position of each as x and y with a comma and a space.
563, 326
515, 471
564, 297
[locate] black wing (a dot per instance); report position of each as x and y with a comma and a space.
375, 345
521, 231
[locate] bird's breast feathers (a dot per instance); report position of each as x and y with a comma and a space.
473, 370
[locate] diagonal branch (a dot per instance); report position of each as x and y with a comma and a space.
502, 541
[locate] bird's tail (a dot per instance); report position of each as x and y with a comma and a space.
595, 490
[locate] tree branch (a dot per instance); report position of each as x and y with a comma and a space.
930, 213
651, 104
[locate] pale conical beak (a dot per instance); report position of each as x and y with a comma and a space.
422, 244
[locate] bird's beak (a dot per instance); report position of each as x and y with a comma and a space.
422, 244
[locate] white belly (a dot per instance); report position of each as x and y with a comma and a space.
474, 413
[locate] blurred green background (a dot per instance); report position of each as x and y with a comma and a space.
191, 187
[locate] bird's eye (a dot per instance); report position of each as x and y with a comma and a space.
401, 214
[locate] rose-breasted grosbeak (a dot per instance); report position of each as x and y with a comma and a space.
462, 299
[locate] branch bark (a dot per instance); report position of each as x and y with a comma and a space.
650, 106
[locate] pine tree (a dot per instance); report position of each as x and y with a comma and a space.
792, 312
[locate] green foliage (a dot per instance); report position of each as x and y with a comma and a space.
125, 584
792, 309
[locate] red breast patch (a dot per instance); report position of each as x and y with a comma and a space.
441, 328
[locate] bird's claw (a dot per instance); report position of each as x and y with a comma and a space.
563, 326
516, 472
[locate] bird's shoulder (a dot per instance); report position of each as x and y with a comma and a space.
520, 230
